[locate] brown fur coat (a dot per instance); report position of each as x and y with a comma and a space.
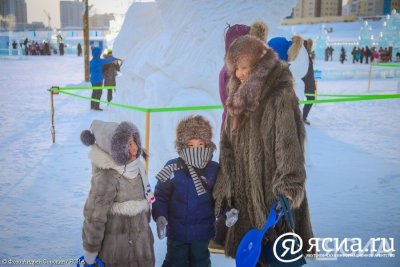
265, 157
117, 216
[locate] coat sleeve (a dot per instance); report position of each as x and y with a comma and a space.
223, 185
162, 193
223, 80
108, 60
289, 177
213, 175
101, 197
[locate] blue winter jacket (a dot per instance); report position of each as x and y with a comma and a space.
190, 217
96, 66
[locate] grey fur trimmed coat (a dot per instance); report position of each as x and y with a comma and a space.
117, 216
265, 157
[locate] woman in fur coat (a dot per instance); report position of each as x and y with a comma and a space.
261, 149
117, 211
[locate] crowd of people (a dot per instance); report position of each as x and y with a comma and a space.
371, 55
364, 54
44, 48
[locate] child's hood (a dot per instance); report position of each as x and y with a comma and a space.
112, 138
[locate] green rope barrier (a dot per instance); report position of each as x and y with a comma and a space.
346, 95
105, 102
341, 98
348, 99
392, 65
83, 88
173, 109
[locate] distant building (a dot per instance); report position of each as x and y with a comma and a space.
346, 10
330, 8
100, 21
71, 13
389, 5
36, 25
317, 8
16, 8
372, 7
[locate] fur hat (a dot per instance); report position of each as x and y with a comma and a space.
243, 98
193, 127
245, 47
294, 50
234, 32
113, 138
308, 44
260, 30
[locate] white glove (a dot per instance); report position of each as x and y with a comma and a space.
161, 224
231, 217
90, 257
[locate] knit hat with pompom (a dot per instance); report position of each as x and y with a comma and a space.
113, 139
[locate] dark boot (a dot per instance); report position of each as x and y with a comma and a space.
97, 106
109, 95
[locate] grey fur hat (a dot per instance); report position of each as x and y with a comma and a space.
113, 138
193, 127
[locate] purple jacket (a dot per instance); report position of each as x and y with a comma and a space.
232, 33
223, 81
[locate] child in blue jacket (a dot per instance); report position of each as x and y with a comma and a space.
184, 206
96, 75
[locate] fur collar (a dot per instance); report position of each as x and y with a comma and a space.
244, 98
104, 161
101, 159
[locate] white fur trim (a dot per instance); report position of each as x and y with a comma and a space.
129, 208
101, 159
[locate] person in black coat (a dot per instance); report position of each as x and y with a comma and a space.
368, 55
61, 48
79, 48
342, 55
26, 46
309, 81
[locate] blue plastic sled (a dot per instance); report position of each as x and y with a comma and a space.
82, 259
249, 249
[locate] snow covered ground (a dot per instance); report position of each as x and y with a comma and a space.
353, 163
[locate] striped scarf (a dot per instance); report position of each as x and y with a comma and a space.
194, 158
